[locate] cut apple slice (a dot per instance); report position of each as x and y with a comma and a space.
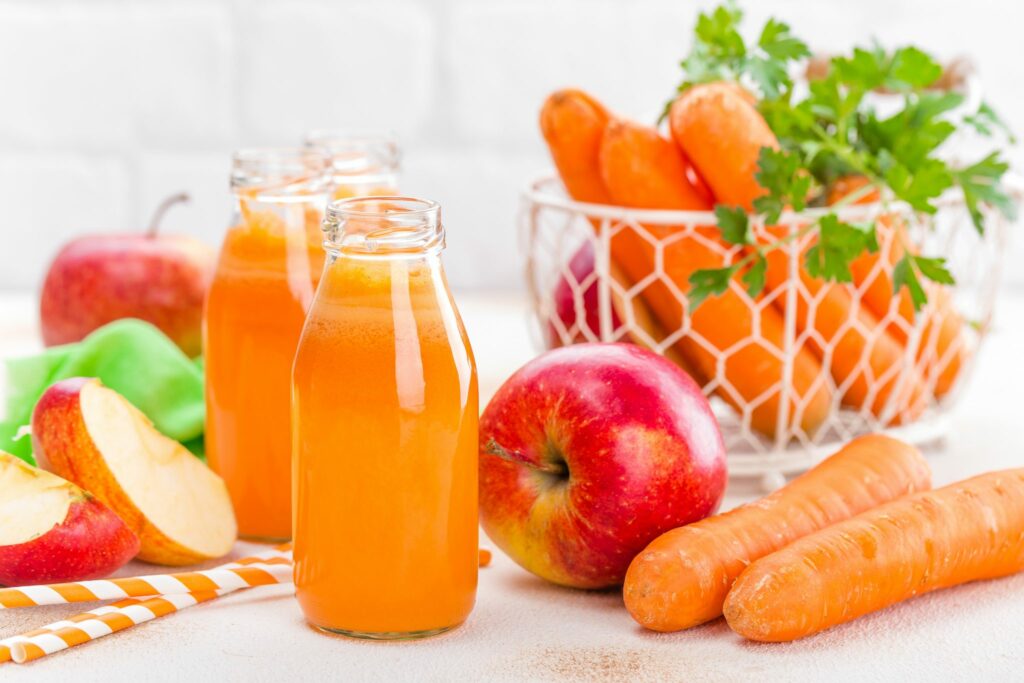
94, 437
51, 530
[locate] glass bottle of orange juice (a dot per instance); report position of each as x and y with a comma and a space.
362, 164
267, 272
384, 425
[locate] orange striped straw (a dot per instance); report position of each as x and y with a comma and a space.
100, 622
274, 566
126, 613
5, 644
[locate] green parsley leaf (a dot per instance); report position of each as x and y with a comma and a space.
708, 282
918, 189
905, 275
754, 278
910, 69
733, 223
779, 43
769, 75
981, 184
867, 69
770, 207
934, 269
986, 121
719, 31
838, 244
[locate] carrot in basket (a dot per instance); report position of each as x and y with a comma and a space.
573, 123
719, 129
722, 131
968, 531
872, 275
641, 169
866, 362
681, 579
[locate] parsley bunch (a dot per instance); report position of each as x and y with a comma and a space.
832, 132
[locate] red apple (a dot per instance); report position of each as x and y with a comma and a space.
586, 315
94, 437
588, 453
97, 279
644, 328
53, 531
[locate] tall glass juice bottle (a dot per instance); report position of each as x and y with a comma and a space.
384, 424
362, 164
267, 272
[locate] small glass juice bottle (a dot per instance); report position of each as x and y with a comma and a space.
362, 164
267, 272
384, 424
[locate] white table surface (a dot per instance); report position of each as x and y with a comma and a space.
526, 630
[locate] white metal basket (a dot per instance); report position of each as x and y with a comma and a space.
581, 298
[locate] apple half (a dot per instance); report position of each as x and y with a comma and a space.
94, 437
53, 531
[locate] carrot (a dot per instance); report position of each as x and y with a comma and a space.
942, 333
646, 331
722, 133
681, 579
968, 531
573, 124
866, 362
641, 169
485, 557
719, 127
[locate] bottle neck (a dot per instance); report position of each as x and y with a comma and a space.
284, 175
383, 227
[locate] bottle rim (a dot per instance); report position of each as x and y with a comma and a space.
280, 167
383, 225
354, 151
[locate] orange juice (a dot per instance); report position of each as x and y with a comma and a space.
266, 275
384, 423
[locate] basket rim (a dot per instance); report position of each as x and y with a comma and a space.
538, 192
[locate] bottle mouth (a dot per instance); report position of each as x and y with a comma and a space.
354, 153
281, 170
383, 225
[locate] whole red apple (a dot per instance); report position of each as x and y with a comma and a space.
97, 279
54, 531
588, 453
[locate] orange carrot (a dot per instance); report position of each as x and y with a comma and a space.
866, 362
573, 124
968, 531
720, 131
485, 557
872, 275
681, 579
643, 170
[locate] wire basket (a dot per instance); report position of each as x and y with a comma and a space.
579, 294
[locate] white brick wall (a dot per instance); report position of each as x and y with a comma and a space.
107, 106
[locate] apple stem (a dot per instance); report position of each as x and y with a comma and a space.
158, 215
494, 448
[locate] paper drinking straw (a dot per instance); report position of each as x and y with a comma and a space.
274, 566
5, 644
125, 613
87, 627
